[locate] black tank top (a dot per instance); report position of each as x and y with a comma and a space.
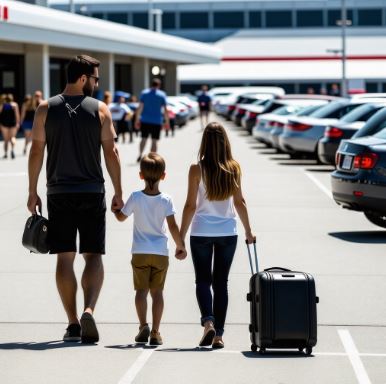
73, 136
29, 115
7, 116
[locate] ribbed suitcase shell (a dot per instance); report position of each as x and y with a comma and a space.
283, 310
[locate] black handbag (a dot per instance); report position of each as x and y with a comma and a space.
35, 234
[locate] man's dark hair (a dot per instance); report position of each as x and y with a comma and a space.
156, 83
81, 65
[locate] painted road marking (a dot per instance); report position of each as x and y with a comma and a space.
136, 367
320, 185
13, 174
353, 355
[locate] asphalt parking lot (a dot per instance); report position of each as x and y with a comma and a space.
297, 225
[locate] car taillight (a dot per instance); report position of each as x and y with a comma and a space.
231, 107
277, 124
252, 115
337, 158
333, 132
298, 126
365, 161
241, 111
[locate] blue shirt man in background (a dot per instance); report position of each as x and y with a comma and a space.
151, 116
205, 103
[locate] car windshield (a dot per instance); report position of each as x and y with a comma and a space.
362, 113
381, 134
374, 125
287, 110
261, 102
328, 109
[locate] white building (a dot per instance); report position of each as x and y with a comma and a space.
37, 42
277, 42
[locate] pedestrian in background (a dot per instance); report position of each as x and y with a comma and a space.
9, 123
74, 127
121, 115
107, 98
205, 105
214, 196
151, 115
334, 90
28, 110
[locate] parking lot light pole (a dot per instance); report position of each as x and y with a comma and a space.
150, 15
343, 29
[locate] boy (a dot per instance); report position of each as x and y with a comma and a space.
150, 259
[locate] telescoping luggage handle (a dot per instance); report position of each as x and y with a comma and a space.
250, 256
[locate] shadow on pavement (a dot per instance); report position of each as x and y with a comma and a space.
195, 349
329, 170
364, 237
297, 162
275, 355
268, 152
131, 346
32, 346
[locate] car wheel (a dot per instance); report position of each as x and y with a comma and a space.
376, 218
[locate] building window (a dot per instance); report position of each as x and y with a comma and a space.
310, 18
228, 19
278, 19
117, 17
141, 20
369, 17
255, 19
97, 15
334, 15
372, 87
194, 20
169, 20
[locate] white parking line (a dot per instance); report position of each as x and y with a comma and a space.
353, 355
136, 367
319, 184
13, 174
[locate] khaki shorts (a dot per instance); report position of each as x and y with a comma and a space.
149, 271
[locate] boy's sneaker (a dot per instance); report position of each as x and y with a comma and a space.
143, 335
72, 333
89, 332
155, 338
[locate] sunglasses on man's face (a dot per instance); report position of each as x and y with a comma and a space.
96, 78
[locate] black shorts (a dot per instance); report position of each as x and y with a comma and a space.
69, 213
204, 108
153, 130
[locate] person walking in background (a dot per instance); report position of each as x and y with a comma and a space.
28, 109
75, 127
151, 115
151, 209
107, 98
133, 105
9, 123
205, 105
121, 115
334, 90
214, 193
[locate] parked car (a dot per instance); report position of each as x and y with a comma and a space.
267, 122
359, 182
192, 105
254, 110
180, 111
301, 135
229, 95
345, 128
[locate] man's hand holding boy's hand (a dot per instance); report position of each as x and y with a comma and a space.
181, 253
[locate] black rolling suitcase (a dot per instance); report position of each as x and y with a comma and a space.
283, 309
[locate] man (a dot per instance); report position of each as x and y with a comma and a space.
74, 127
151, 115
204, 102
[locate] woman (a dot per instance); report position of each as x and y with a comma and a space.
9, 123
214, 193
27, 115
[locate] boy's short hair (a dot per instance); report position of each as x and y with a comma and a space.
152, 168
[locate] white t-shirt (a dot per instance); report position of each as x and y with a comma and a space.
150, 212
119, 111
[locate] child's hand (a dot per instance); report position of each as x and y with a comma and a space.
181, 253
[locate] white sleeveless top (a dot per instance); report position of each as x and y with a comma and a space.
213, 218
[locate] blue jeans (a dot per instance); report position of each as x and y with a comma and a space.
203, 249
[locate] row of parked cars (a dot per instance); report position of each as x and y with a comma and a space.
349, 133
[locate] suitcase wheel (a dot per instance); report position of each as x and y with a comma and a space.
262, 351
309, 350
253, 348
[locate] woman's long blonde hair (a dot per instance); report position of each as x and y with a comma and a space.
220, 172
